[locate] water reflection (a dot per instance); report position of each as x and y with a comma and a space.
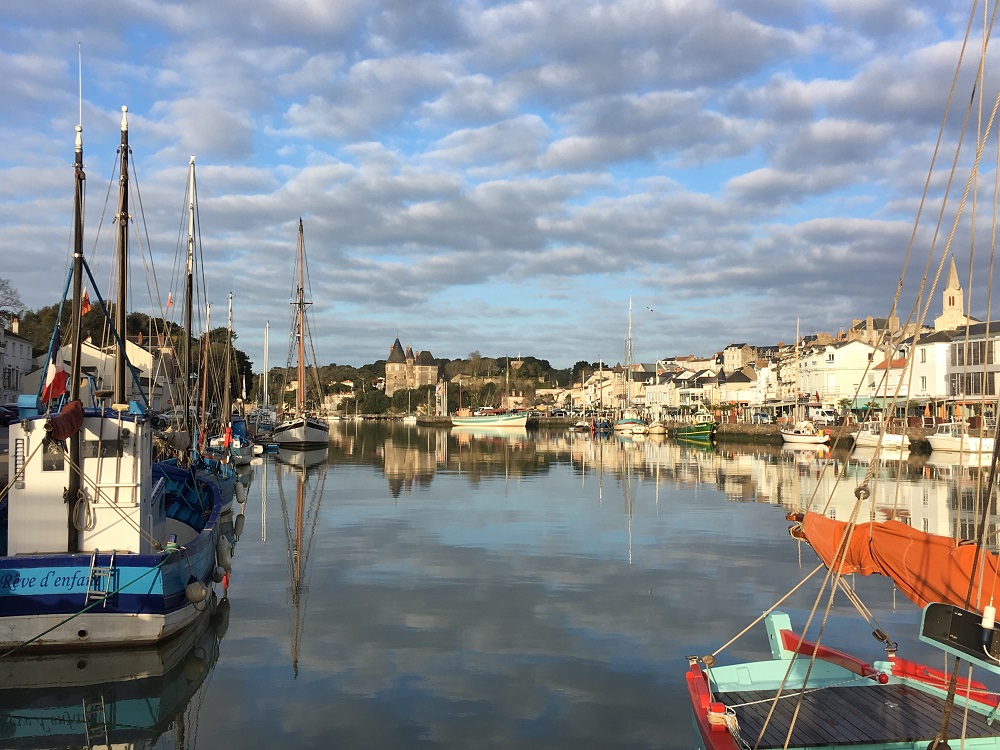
306, 471
936, 493
137, 698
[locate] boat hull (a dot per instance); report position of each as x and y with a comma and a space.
492, 420
303, 432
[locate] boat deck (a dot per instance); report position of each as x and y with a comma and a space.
868, 714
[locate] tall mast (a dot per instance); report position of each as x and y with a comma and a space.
75, 452
301, 390
121, 305
628, 358
188, 300
227, 395
267, 325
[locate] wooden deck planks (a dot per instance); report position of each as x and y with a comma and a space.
850, 716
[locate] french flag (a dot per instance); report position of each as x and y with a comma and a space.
56, 377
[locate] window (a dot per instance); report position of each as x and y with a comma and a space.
923, 383
923, 356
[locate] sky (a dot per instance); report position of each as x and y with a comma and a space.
499, 177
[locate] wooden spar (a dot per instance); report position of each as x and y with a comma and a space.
300, 396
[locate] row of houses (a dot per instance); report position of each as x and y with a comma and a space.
943, 370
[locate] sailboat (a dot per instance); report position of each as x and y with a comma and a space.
234, 444
629, 421
810, 693
101, 548
187, 452
301, 428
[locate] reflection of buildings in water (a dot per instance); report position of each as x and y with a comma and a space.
407, 465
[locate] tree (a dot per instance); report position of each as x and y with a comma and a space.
10, 300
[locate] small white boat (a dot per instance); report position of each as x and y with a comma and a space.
804, 432
874, 433
513, 419
955, 437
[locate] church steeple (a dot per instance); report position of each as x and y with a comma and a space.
952, 303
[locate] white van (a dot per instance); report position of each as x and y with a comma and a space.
823, 416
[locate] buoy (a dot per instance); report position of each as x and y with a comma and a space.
218, 574
241, 493
195, 591
224, 554
239, 523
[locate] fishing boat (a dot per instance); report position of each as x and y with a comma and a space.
804, 432
300, 428
954, 437
133, 555
702, 427
808, 693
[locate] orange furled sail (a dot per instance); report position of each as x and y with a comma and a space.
925, 567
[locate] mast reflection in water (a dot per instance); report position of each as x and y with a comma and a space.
455, 588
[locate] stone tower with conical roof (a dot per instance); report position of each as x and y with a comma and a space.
953, 303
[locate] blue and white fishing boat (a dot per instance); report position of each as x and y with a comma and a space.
102, 547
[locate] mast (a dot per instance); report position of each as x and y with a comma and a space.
227, 396
203, 412
121, 305
75, 452
267, 403
188, 300
628, 359
300, 394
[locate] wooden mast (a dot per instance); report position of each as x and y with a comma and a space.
301, 390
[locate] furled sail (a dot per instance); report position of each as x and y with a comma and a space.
925, 567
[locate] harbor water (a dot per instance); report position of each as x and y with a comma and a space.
419, 587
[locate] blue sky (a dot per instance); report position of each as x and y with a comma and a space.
497, 177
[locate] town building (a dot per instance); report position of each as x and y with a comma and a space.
15, 361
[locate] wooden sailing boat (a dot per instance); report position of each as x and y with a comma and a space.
105, 546
809, 694
301, 429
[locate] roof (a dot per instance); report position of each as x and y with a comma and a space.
396, 355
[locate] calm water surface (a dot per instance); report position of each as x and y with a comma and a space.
418, 587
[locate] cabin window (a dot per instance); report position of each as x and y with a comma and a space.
101, 449
52, 457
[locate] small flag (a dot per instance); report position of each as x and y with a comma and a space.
55, 376
170, 300
85, 306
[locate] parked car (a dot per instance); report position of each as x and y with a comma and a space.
823, 416
761, 417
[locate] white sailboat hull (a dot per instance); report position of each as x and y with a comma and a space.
301, 432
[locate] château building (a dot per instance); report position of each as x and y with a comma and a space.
406, 371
